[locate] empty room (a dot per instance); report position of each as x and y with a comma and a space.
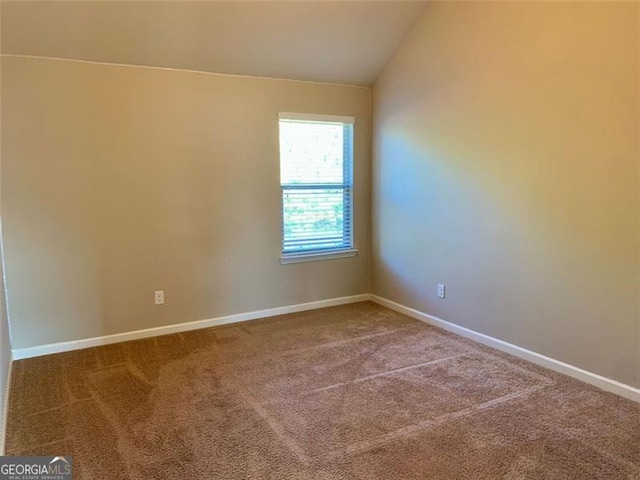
320, 240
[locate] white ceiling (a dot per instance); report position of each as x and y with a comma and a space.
345, 42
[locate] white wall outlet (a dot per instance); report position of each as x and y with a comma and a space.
159, 297
441, 290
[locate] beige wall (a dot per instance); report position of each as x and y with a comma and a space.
119, 181
5, 343
506, 165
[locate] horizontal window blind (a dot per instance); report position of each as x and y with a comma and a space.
316, 181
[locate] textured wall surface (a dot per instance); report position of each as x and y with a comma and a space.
119, 181
506, 165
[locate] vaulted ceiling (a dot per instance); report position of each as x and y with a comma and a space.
345, 42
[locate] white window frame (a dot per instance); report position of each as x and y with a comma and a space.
329, 254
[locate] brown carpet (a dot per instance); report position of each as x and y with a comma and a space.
351, 392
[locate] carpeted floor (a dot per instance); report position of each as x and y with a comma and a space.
350, 392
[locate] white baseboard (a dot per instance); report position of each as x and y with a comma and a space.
5, 407
613, 386
48, 349
599, 381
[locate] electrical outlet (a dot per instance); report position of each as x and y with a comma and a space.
441, 290
159, 297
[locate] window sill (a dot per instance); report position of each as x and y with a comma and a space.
314, 257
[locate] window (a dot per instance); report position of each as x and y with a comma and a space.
316, 177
